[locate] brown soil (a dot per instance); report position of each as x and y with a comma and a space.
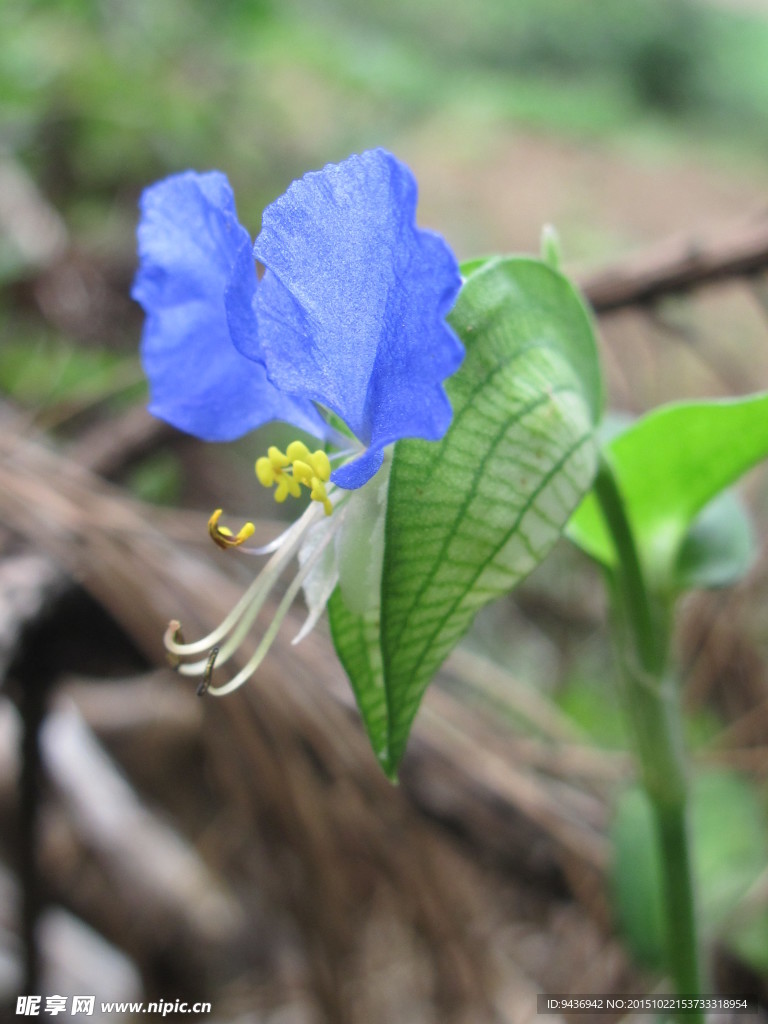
499, 187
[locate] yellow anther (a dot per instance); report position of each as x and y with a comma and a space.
276, 457
303, 472
223, 537
318, 492
320, 463
297, 450
281, 491
265, 471
286, 485
287, 472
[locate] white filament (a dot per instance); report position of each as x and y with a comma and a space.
292, 539
235, 627
282, 610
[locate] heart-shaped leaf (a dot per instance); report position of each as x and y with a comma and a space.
470, 516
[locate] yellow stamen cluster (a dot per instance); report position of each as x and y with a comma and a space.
223, 536
297, 466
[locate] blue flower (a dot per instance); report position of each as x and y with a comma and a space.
349, 315
348, 319
188, 238
351, 310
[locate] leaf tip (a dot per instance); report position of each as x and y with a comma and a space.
390, 768
551, 251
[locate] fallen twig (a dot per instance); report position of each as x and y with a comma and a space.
679, 265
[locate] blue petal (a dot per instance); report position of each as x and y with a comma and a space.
189, 239
360, 470
351, 308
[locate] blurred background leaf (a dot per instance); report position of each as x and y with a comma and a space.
730, 843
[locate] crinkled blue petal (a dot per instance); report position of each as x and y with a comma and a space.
189, 238
351, 308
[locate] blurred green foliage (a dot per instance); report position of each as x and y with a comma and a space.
158, 479
99, 97
730, 847
47, 371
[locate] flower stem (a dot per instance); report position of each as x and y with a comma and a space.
652, 708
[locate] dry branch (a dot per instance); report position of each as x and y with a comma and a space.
76, 958
679, 265
148, 864
129, 436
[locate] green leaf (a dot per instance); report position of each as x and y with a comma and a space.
669, 465
470, 516
356, 639
719, 548
354, 609
551, 250
469, 267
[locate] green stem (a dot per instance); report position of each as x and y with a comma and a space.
650, 647
654, 716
